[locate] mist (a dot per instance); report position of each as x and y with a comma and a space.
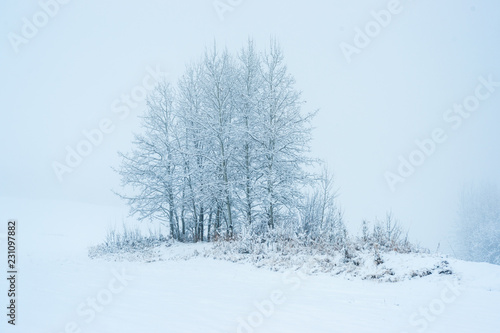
384, 85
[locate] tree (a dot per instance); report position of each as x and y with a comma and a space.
190, 144
217, 120
226, 148
248, 97
478, 227
150, 168
321, 216
284, 136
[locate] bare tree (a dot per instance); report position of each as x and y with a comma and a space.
248, 98
150, 168
284, 136
226, 149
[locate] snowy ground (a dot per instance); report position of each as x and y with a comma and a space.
61, 290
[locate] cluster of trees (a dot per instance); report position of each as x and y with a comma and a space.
478, 228
226, 150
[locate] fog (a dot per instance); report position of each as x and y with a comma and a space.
377, 95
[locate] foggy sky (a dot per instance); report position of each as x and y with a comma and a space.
75, 71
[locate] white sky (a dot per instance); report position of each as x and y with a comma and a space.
395, 91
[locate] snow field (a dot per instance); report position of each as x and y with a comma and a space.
62, 290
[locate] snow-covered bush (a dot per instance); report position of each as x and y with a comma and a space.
287, 247
386, 235
374, 257
128, 240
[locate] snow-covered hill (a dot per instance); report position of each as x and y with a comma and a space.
206, 295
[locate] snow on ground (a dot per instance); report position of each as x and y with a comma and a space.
61, 290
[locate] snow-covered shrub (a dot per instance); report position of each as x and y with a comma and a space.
277, 251
289, 243
283, 248
385, 236
128, 240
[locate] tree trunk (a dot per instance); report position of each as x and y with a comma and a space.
209, 225
201, 226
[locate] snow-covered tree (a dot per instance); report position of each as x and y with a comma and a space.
478, 228
248, 98
217, 120
321, 216
150, 169
283, 138
223, 151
